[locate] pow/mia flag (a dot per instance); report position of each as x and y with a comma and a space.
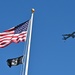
15, 61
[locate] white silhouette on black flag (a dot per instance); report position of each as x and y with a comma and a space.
15, 61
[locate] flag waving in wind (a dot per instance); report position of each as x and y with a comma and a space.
15, 61
15, 34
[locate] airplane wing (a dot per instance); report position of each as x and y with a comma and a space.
65, 38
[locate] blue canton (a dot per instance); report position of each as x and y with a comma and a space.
21, 27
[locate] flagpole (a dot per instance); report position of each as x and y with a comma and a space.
29, 42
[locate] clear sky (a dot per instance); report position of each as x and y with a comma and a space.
50, 55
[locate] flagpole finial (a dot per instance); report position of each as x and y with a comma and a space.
33, 10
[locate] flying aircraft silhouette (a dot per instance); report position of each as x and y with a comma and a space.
66, 36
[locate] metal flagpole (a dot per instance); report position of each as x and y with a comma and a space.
29, 42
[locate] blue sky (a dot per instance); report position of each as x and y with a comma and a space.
50, 55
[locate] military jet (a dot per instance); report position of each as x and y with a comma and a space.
66, 36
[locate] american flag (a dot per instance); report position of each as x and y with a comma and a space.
16, 34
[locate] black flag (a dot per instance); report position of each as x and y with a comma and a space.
15, 61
